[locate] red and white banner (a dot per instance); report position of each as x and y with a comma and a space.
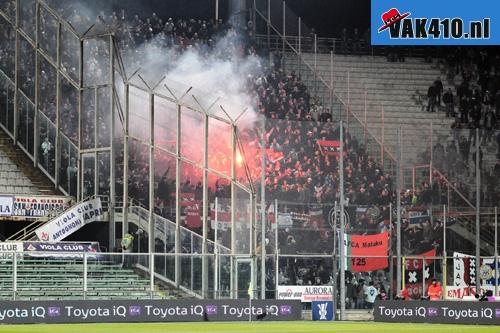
359, 247
329, 147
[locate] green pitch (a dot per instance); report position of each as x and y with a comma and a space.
257, 327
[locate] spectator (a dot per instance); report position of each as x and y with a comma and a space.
435, 291
448, 102
439, 90
432, 93
371, 294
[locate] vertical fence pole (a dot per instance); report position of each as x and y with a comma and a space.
414, 179
217, 11
348, 106
205, 210
269, 26
432, 156
315, 65
300, 39
444, 263
478, 207
391, 248
334, 255
85, 273
383, 136
496, 253
263, 210
331, 83
424, 291
192, 262
178, 166
398, 212
216, 249
14, 275
276, 247
342, 226
402, 266
151, 274
366, 115
284, 31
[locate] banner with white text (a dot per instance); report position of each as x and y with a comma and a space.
72, 220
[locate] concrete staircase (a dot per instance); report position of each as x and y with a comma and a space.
389, 86
18, 174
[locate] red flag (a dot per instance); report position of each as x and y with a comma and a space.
414, 273
358, 247
274, 156
329, 147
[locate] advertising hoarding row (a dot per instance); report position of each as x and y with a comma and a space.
118, 311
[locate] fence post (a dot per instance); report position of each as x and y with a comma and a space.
151, 274
85, 272
478, 208
496, 253
342, 226
276, 247
14, 275
216, 249
444, 263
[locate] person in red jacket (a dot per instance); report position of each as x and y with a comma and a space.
435, 291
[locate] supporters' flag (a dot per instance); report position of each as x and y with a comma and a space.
223, 214
415, 273
329, 147
464, 270
193, 214
191, 209
358, 247
187, 199
274, 156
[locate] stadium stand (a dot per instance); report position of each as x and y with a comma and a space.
62, 279
17, 173
395, 88
298, 174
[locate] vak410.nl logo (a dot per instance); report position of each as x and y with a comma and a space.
403, 26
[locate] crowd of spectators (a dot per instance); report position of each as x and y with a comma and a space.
302, 173
471, 97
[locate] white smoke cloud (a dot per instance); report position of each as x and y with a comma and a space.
221, 72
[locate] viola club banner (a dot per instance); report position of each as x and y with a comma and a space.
58, 312
50, 250
430, 22
20, 206
71, 221
359, 248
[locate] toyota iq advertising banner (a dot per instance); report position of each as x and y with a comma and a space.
440, 312
431, 22
52, 312
70, 221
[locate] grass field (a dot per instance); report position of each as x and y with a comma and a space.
258, 327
